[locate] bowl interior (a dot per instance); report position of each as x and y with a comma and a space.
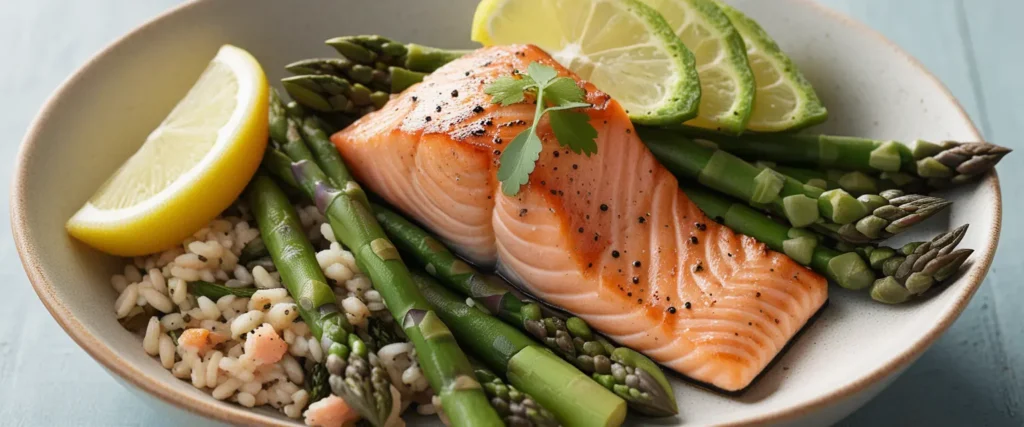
102, 114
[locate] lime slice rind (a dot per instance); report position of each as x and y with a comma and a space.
727, 83
775, 74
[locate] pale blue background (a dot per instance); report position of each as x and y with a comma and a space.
972, 376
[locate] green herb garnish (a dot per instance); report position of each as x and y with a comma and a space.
556, 97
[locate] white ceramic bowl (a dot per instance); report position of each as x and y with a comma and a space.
99, 116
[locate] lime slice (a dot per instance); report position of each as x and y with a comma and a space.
726, 82
784, 99
623, 47
190, 168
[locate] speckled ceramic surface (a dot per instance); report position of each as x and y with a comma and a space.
103, 112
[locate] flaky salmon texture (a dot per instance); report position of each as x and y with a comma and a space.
609, 237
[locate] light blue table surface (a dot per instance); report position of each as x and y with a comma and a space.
972, 376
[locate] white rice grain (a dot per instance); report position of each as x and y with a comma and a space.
263, 279
338, 272
327, 232
186, 274
181, 370
246, 322
224, 302
252, 387
227, 389
172, 322
263, 299
209, 308
213, 368
178, 289
359, 284
245, 399
243, 275
151, 342
315, 351
206, 275
282, 315
198, 374
355, 310
126, 301
166, 351
292, 369
157, 300
158, 281
300, 348
189, 260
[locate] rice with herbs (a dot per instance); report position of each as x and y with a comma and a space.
256, 350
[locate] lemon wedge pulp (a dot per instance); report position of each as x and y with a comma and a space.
189, 169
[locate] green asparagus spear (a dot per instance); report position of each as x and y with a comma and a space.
574, 398
344, 204
572, 339
328, 93
354, 376
380, 51
915, 267
835, 212
940, 165
515, 407
855, 182
388, 79
848, 270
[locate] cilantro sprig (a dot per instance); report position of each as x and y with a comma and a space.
558, 97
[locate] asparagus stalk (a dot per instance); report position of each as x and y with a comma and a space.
515, 407
332, 94
380, 51
854, 182
574, 398
384, 78
915, 267
571, 339
894, 275
940, 165
344, 204
354, 376
835, 212
847, 269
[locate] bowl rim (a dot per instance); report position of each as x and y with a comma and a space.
217, 410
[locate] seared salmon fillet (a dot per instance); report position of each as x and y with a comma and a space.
609, 238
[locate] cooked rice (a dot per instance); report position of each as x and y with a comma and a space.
155, 287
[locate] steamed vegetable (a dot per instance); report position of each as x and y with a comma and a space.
354, 376
574, 398
344, 204
836, 212
572, 339
939, 165
894, 275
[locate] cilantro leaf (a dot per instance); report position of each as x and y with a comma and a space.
563, 90
508, 90
573, 130
540, 73
518, 161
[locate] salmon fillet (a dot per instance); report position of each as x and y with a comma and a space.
609, 238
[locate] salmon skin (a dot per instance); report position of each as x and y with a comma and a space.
609, 237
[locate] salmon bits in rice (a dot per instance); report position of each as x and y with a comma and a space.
213, 312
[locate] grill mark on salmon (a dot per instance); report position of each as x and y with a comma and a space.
711, 304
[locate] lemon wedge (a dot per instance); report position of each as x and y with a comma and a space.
190, 168
784, 100
623, 47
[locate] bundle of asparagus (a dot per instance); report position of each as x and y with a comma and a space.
572, 338
833, 212
345, 205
